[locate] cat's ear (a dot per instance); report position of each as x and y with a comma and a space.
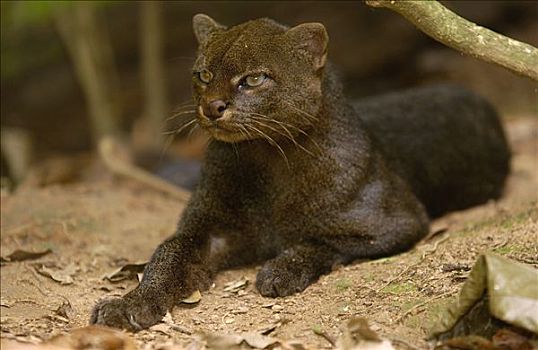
313, 38
203, 25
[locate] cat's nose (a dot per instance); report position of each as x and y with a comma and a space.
214, 109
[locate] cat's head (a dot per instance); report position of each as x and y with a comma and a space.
258, 79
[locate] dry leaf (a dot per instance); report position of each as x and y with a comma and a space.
22, 255
127, 271
508, 339
93, 337
65, 310
271, 328
169, 321
62, 275
193, 298
357, 335
467, 342
242, 341
4, 302
161, 327
236, 285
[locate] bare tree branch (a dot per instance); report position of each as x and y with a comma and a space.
155, 103
111, 151
89, 48
445, 26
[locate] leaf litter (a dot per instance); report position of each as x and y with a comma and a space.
127, 271
237, 285
470, 232
22, 255
62, 275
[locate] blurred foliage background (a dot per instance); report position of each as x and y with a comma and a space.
73, 71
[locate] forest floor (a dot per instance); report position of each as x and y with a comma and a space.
94, 227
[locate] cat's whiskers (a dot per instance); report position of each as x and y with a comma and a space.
271, 141
264, 125
283, 125
309, 118
287, 135
234, 146
192, 130
181, 128
243, 131
172, 134
313, 124
179, 113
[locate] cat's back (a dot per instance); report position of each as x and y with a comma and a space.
446, 142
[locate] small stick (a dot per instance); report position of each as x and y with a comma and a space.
404, 343
405, 314
325, 336
107, 152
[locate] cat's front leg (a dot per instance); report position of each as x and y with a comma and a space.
176, 269
294, 269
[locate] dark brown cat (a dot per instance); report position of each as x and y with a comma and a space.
295, 177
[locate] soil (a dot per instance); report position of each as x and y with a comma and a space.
96, 226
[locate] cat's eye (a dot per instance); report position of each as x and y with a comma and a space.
205, 76
255, 80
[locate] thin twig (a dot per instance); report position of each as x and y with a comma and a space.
403, 342
118, 166
405, 314
325, 336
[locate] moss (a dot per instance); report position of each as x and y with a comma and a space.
342, 284
400, 288
516, 219
368, 277
426, 319
504, 222
508, 249
316, 328
408, 305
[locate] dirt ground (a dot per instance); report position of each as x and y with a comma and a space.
96, 226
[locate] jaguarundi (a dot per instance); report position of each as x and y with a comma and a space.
298, 179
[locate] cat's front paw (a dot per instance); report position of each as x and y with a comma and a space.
126, 314
279, 278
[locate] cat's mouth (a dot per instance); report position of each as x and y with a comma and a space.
222, 129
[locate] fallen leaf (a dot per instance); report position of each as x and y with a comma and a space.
65, 310
94, 337
193, 298
172, 346
127, 271
4, 302
277, 308
508, 339
259, 341
242, 341
161, 327
22, 255
271, 328
62, 275
467, 342
240, 310
236, 285
357, 335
